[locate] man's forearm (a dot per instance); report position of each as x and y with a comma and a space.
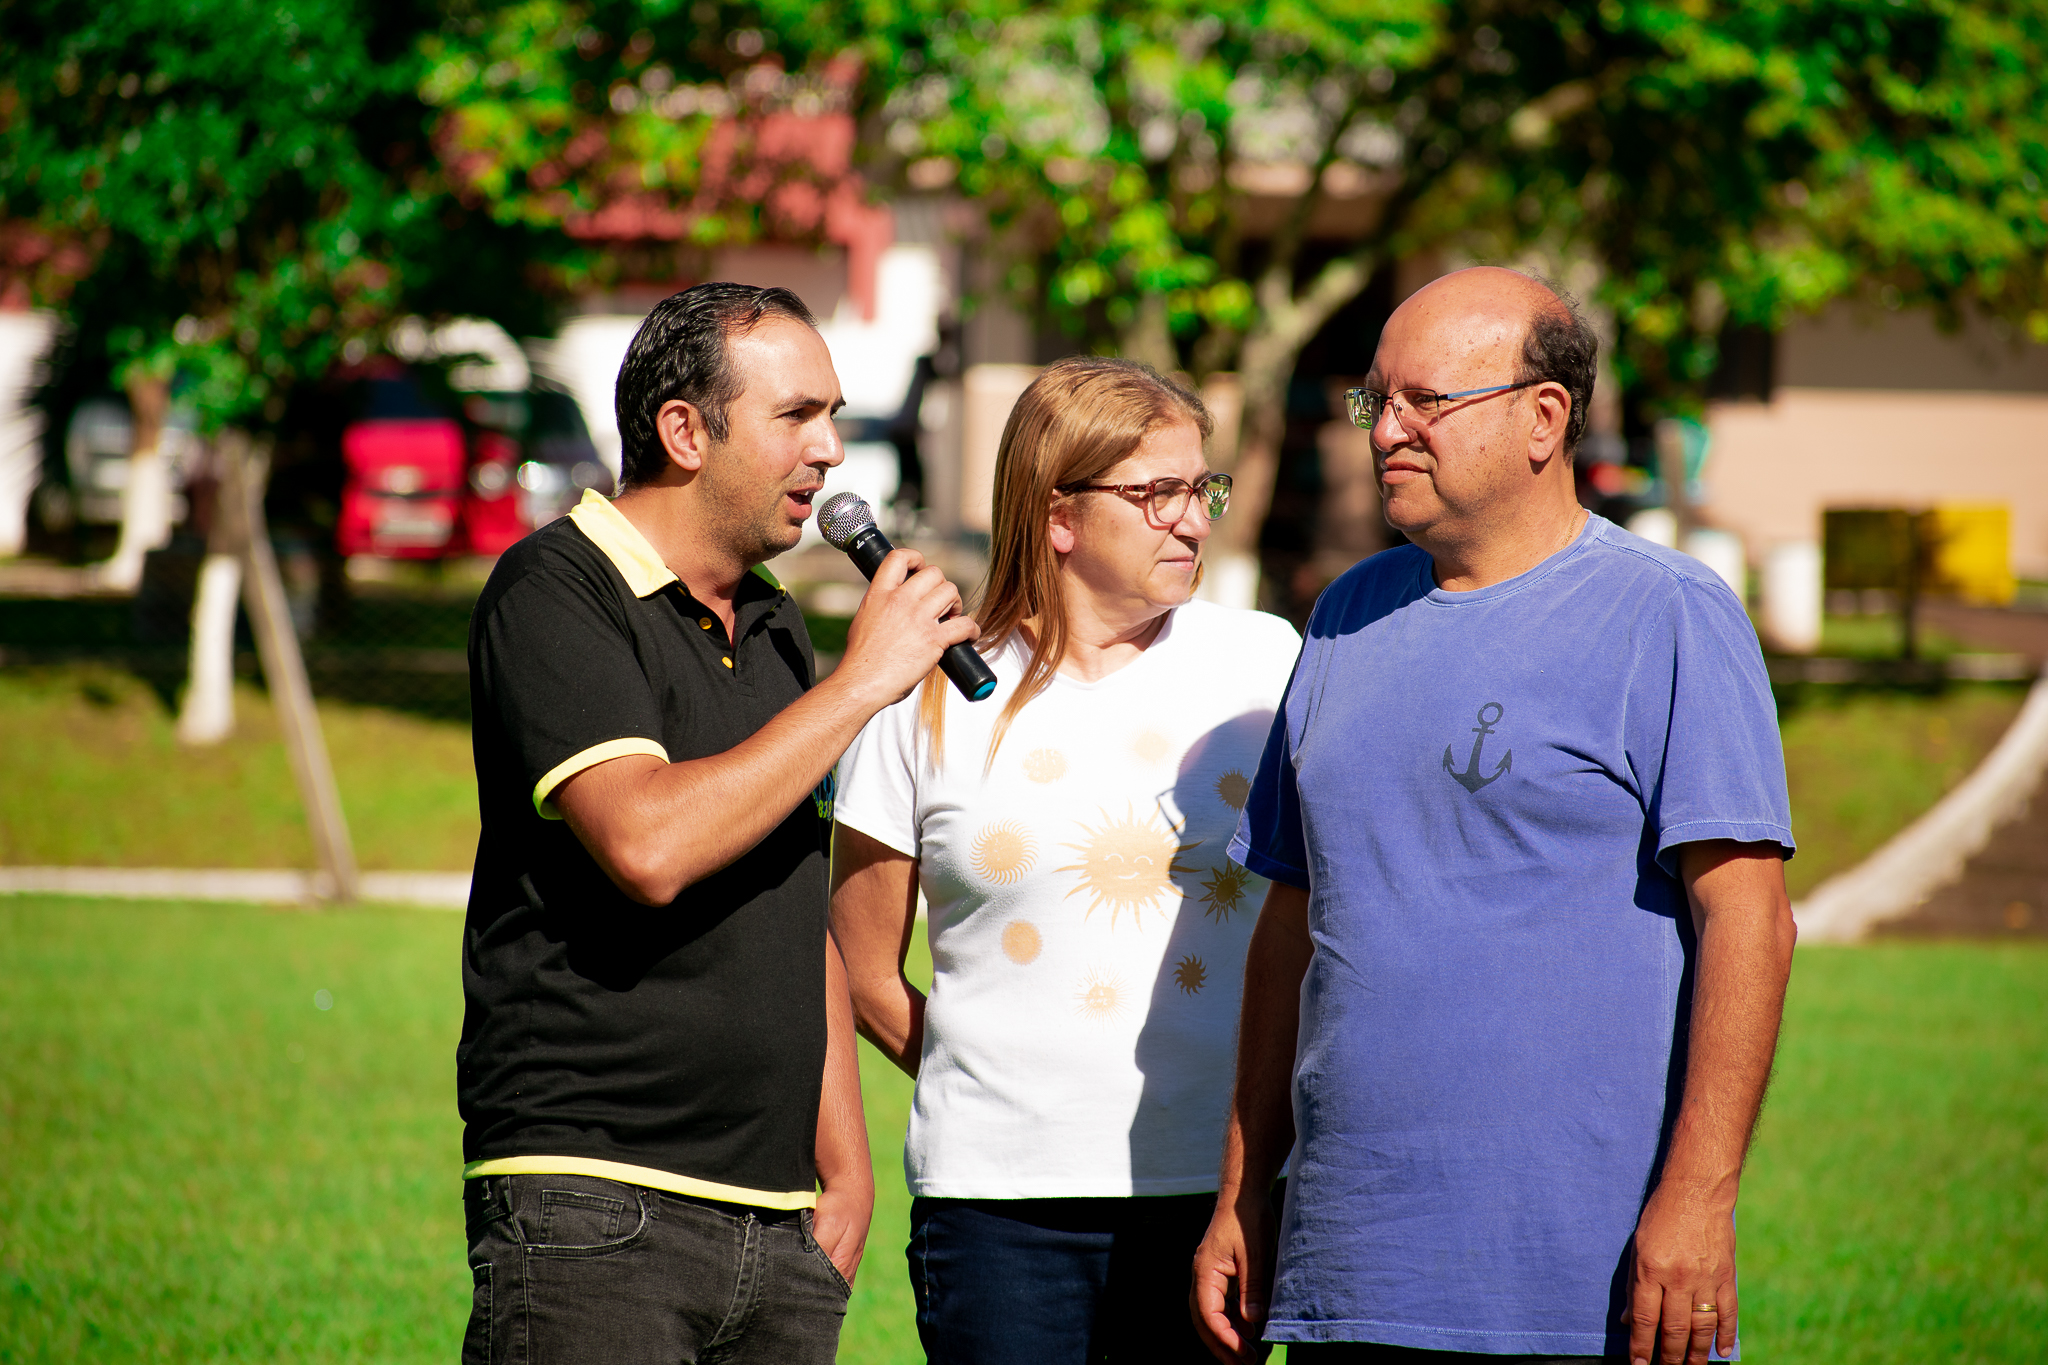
846, 1173
1746, 936
657, 827
842, 1138
1260, 1131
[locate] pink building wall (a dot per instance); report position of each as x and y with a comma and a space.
1885, 411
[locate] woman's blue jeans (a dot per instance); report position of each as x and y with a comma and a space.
1057, 1281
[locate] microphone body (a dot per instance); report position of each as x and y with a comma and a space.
867, 547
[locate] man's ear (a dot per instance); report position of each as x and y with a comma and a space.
680, 427
1059, 525
1553, 416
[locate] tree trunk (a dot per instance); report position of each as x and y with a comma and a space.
146, 500
1149, 338
1286, 323
207, 713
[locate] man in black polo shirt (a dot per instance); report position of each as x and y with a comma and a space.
665, 1154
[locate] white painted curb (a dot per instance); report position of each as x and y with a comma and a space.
274, 886
1930, 853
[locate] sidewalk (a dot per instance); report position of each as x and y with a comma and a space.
273, 886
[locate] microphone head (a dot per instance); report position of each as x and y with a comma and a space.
842, 517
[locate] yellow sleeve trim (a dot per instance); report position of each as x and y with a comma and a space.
589, 758
666, 1181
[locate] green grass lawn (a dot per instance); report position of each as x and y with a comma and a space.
95, 776
198, 1163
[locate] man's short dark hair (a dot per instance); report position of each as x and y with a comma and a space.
1560, 347
684, 351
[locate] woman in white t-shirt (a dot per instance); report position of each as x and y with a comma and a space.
1087, 929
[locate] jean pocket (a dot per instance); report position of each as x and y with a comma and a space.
583, 1221
810, 1240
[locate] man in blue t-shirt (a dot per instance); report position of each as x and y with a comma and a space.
1513, 998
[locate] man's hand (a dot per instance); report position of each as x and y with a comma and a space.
904, 624
1233, 1280
1682, 1282
840, 1224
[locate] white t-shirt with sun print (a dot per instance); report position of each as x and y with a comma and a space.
1088, 928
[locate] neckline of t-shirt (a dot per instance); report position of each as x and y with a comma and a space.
1594, 531
1020, 656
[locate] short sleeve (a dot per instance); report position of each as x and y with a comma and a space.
1702, 728
877, 792
559, 670
1268, 839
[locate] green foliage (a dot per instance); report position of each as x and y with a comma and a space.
1744, 161
1116, 145
251, 182
262, 188
1721, 161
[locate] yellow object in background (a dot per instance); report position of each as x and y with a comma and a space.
1969, 547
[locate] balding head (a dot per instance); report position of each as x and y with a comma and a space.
1491, 309
1485, 376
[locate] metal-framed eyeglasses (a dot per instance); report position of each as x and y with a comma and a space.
1166, 500
1366, 405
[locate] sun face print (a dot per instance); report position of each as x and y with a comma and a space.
1102, 997
1045, 765
1190, 975
1128, 864
1233, 789
1151, 746
1223, 891
1022, 943
1004, 851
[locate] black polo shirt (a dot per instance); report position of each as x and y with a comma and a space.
683, 1047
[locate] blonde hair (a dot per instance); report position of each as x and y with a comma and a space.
1080, 418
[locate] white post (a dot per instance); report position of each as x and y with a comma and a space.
145, 518
1790, 587
1657, 525
207, 715
1721, 551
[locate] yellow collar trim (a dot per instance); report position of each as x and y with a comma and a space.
628, 550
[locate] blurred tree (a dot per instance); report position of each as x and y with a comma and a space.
1753, 160
1126, 152
237, 193
650, 131
1721, 162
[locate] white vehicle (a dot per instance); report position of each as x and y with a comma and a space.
96, 449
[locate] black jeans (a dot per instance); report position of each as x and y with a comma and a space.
1057, 1281
572, 1269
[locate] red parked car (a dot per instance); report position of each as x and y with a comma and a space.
425, 484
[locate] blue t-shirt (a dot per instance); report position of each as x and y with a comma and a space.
1484, 793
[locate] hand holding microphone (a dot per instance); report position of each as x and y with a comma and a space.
848, 523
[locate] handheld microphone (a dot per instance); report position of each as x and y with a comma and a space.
848, 523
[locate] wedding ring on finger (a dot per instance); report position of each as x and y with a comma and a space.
1704, 1308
